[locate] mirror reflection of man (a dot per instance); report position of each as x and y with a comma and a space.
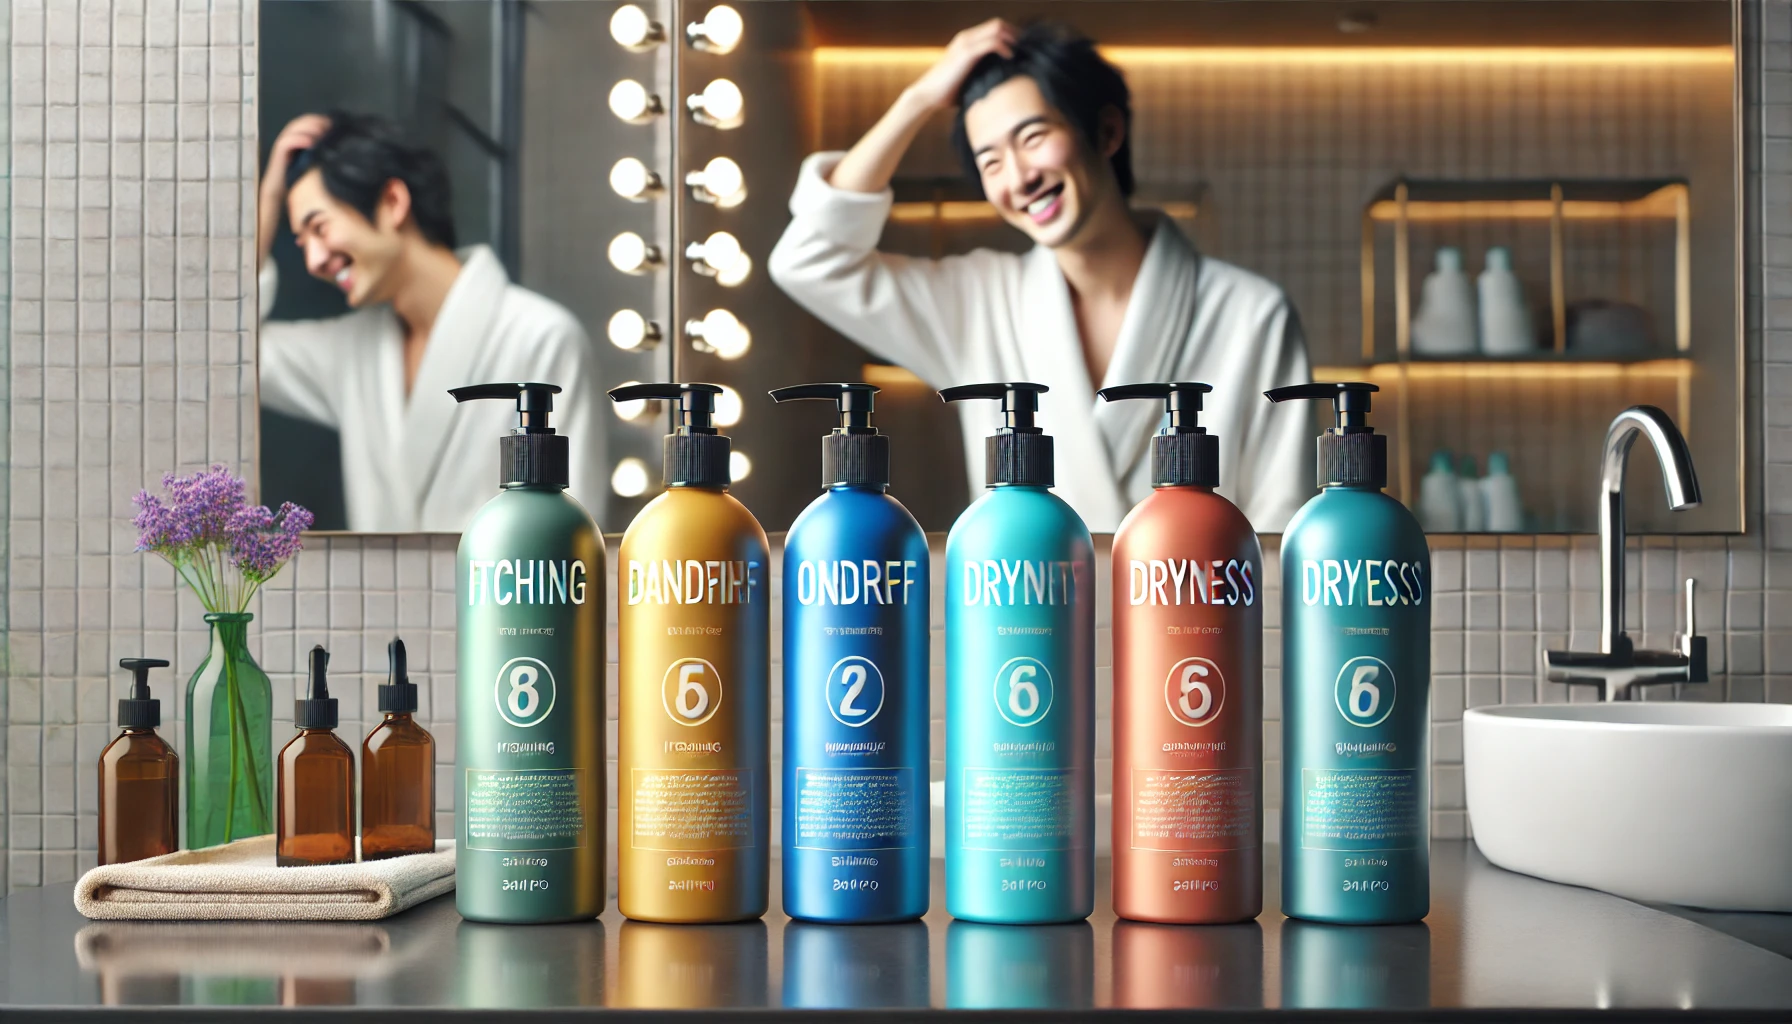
1103, 298
370, 210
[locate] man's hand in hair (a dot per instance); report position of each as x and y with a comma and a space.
937, 89
301, 133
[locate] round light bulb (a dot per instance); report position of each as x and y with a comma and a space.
716, 254
631, 179
722, 333
720, 182
633, 29
630, 101
718, 32
629, 478
728, 407
629, 331
736, 273
719, 105
631, 254
739, 466
632, 411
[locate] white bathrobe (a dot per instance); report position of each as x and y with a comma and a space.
427, 463
993, 316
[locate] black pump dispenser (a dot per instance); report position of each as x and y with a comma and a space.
854, 454
1351, 453
1020, 452
695, 455
532, 455
398, 695
317, 709
1183, 454
140, 710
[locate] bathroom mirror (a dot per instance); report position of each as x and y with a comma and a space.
1517, 218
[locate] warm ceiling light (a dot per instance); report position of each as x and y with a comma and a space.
629, 478
719, 105
631, 27
719, 182
719, 332
631, 254
718, 32
630, 331
630, 101
729, 407
632, 180
715, 255
739, 466
635, 410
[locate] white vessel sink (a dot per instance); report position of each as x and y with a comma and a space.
1674, 802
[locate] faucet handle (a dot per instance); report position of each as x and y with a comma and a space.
1690, 644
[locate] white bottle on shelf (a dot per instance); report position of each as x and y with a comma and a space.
1440, 498
1505, 319
1474, 506
1445, 322
1499, 492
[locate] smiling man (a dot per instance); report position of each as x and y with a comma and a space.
370, 210
1105, 297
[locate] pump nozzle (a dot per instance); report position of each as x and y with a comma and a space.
1351, 453
399, 694
1183, 454
854, 454
1019, 452
695, 454
532, 454
140, 710
317, 709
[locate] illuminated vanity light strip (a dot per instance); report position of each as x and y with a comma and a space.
1364, 55
1544, 371
1665, 207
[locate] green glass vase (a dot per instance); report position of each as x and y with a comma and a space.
230, 765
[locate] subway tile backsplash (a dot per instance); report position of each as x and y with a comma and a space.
129, 247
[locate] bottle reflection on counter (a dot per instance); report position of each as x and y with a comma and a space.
499, 967
692, 967
1038, 967
1160, 966
1350, 967
832, 966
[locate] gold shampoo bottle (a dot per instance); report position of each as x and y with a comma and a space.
693, 750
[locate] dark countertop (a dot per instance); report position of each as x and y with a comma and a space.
1495, 943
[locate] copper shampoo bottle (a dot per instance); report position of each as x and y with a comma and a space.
1188, 686
398, 772
314, 781
139, 778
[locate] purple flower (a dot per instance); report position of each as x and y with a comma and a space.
206, 520
262, 541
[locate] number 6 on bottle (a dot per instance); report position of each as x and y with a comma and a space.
691, 691
1023, 691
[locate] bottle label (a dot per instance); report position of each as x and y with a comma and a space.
691, 691
525, 692
1008, 582
1365, 692
1024, 691
1019, 809
534, 581
1207, 809
691, 809
1360, 809
689, 581
1370, 582
855, 809
525, 809
1186, 581
854, 581
855, 691
1195, 692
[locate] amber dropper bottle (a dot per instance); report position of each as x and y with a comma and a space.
315, 776
139, 778
398, 772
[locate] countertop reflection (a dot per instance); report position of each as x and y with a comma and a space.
1493, 940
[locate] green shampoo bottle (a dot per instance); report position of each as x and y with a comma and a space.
529, 763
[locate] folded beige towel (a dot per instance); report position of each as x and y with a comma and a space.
239, 882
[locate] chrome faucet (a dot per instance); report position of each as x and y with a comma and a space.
1617, 666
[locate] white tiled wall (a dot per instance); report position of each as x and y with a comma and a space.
131, 353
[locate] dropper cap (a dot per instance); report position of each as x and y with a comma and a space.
1183, 454
1020, 452
854, 454
1351, 453
695, 454
398, 695
140, 710
317, 709
531, 455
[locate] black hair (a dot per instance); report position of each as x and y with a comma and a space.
1072, 76
360, 153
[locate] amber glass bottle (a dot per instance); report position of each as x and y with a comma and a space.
315, 779
139, 778
398, 772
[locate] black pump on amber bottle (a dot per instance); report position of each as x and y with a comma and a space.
695, 453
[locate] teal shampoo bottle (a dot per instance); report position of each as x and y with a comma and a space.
529, 700
1020, 685
1356, 685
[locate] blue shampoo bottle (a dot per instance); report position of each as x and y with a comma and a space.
856, 658
1356, 685
1020, 685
